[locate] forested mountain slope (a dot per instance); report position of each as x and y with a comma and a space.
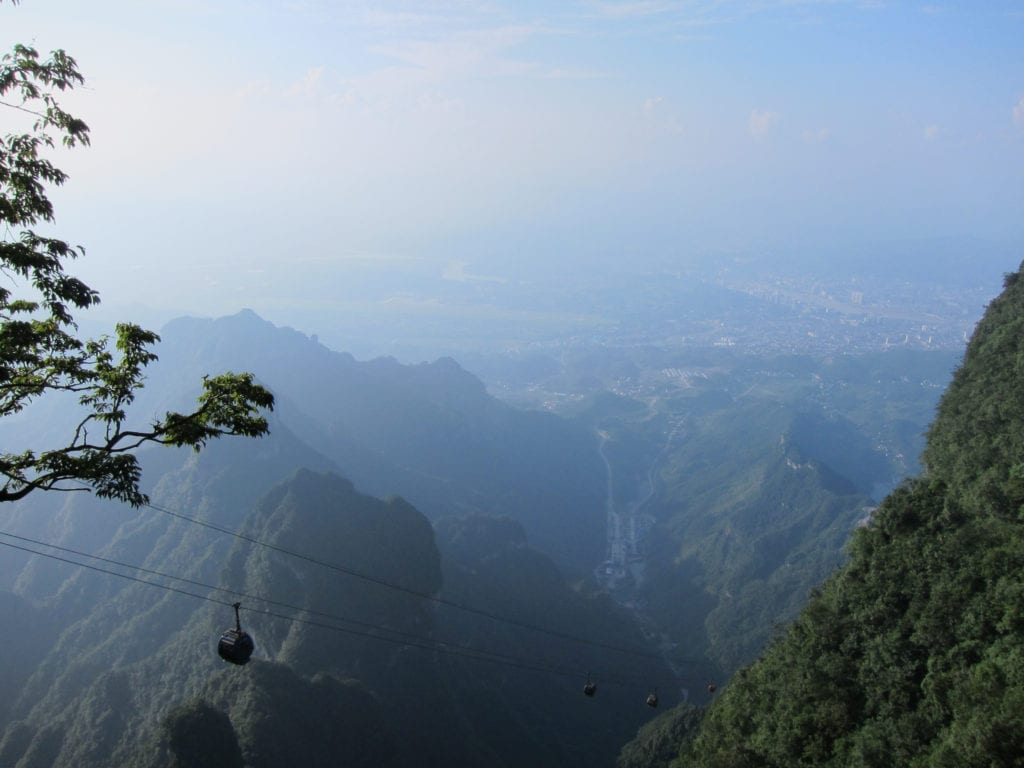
750, 518
103, 671
912, 654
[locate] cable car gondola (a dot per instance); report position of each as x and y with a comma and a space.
652, 698
589, 688
235, 645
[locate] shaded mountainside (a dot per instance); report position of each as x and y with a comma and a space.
913, 653
486, 562
428, 432
119, 673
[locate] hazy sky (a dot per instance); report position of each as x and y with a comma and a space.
239, 146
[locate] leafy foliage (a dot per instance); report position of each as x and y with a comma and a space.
975, 444
40, 353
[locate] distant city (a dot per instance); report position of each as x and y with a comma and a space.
928, 301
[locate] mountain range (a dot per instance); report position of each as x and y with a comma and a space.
446, 498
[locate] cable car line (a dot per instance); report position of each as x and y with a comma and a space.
260, 598
211, 587
427, 644
115, 573
415, 593
415, 641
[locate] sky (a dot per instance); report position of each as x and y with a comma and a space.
242, 151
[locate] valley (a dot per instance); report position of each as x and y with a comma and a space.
627, 534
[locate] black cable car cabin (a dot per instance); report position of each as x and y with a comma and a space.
589, 688
652, 698
235, 645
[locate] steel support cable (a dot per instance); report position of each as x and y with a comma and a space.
412, 640
259, 598
415, 593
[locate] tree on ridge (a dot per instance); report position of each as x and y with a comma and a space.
41, 352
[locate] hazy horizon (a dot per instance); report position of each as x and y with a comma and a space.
282, 155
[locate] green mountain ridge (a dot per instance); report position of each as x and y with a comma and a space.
749, 520
913, 653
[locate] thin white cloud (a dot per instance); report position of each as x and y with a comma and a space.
652, 105
636, 9
477, 52
568, 73
661, 118
817, 136
762, 121
1018, 113
456, 271
309, 83
390, 17
687, 13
